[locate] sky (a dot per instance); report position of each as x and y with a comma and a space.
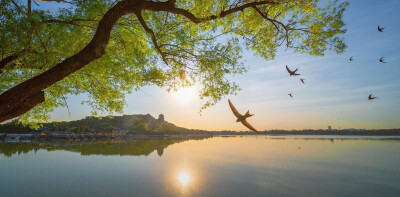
335, 91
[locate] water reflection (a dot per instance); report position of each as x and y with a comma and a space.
184, 178
99, 147
219, 166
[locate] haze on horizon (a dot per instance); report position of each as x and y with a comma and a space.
335, 90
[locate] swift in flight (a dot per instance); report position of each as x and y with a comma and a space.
241, 118
382, 60
380, 29
370, 97
292, 72
302, 80
290, 95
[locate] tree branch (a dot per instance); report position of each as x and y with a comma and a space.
273, 21
70, 22
58, 1
152, 35
29, 8
168, 7
18, 7
5, 61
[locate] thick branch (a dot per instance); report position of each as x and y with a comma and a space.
167, 6
172, 2
22, 106
5, 61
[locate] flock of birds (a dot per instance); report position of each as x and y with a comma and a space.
242, 118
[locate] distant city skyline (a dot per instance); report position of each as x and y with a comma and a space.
335, 91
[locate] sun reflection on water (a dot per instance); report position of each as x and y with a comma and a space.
184, 178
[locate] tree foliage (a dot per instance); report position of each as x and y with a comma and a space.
106, 49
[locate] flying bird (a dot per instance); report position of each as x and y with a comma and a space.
380, 29
290, 95
302, 80
292, 72
351, 59
241, 118
370, 97
382, 60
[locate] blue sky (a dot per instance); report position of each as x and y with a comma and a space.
335, 92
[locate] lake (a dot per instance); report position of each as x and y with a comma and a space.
217, 166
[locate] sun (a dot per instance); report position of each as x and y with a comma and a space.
185, 94
184, 179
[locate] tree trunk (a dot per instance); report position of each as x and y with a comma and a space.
23, 97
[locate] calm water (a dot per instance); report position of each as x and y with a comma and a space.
219, 166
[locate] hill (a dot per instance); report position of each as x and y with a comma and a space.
136, 124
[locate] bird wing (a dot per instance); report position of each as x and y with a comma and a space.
234, 110
370, 96
287, 68
248, 125
296, 70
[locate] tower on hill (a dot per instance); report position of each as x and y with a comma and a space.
161, 118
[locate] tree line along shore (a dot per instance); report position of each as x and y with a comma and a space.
148, 126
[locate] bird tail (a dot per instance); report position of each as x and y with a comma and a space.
248, 114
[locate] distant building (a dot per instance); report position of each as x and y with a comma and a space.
329, 128
161, 118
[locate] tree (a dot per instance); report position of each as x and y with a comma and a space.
142, 127
76, 129
110, 128
107, 48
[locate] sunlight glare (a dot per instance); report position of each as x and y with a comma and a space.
184, 178
185, 94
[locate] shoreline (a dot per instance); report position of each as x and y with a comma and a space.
14, 138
